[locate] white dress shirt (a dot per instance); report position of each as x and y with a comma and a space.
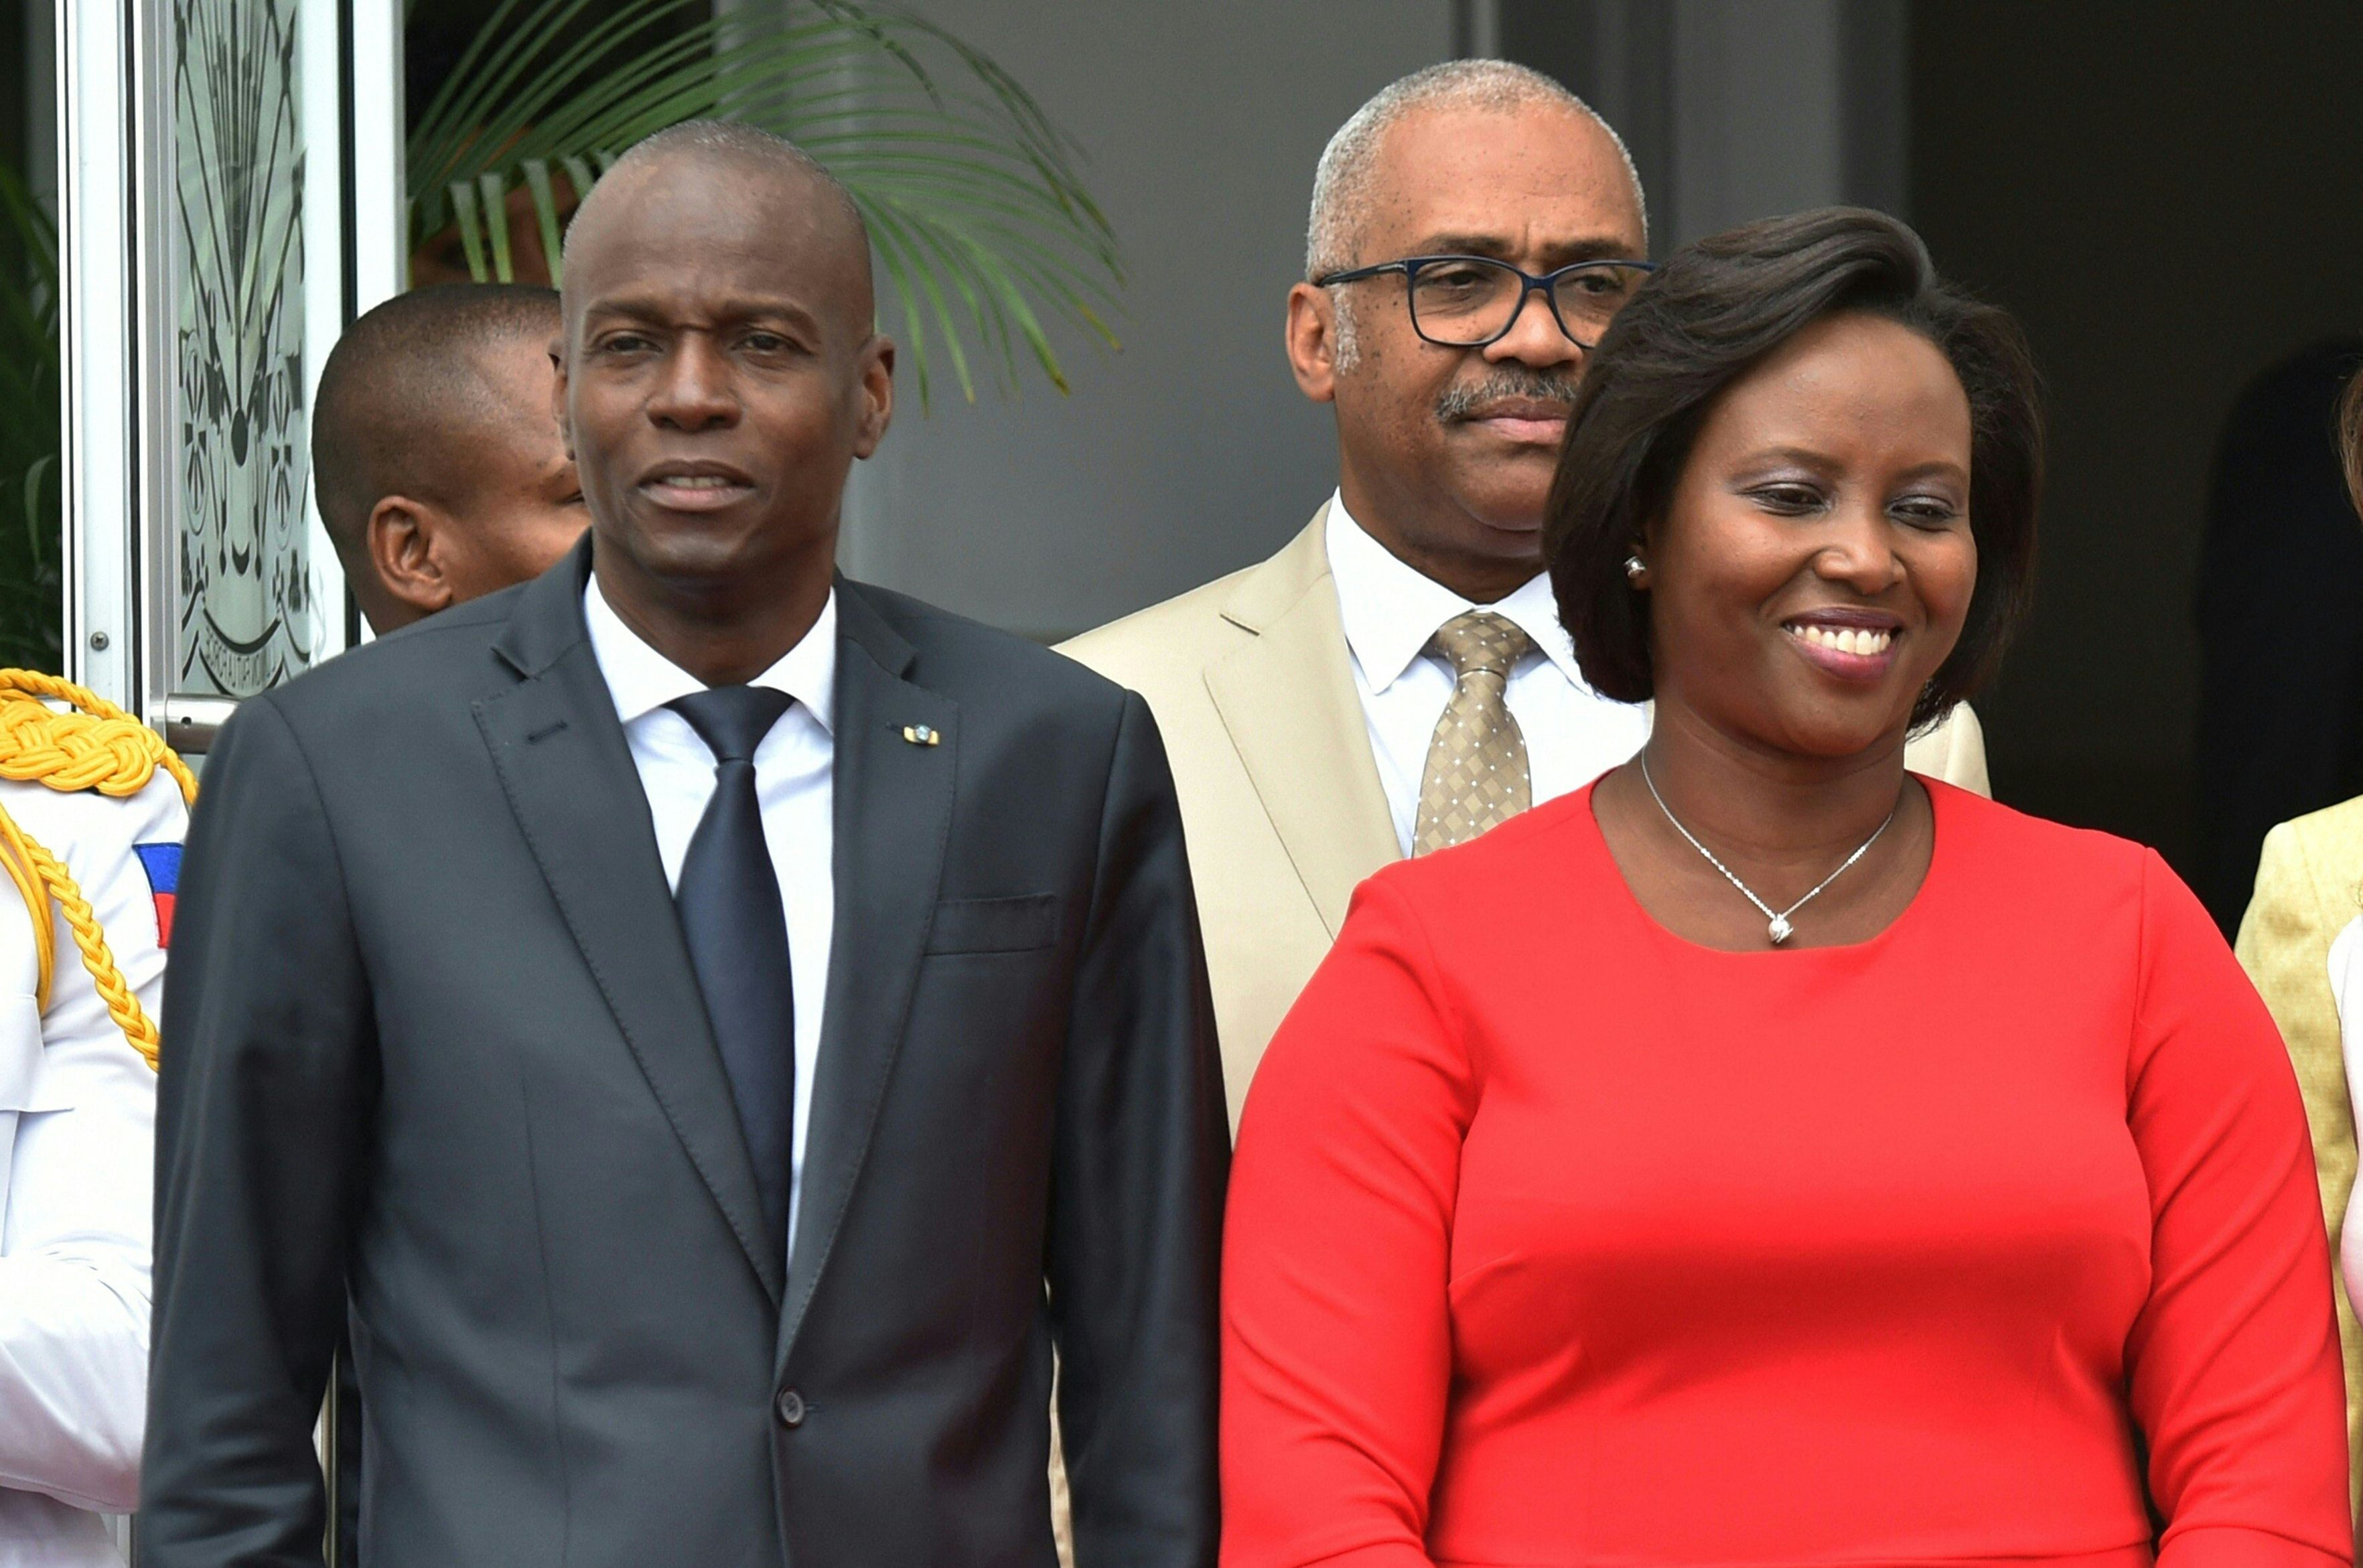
77, 1163
1390, 610
794, 783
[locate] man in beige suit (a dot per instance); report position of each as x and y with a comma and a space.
1317, 708
2308, 888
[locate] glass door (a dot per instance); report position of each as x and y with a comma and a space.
230, 198
249, 609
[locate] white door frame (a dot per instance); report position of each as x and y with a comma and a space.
117, 152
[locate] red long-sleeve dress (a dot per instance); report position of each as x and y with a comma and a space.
1555, 1239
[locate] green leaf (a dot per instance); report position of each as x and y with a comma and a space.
578, 174
470, 133
929, 289
545, 213
494, 192
39, 471
983, 228
914, 337
31, 426
463, 203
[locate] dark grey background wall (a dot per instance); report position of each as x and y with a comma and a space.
2167, 196
1190, 453
1733, 111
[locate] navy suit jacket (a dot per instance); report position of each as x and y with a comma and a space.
436, 1064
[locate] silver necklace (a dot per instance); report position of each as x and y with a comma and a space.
1779, 930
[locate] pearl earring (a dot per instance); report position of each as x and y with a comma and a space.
1633, 568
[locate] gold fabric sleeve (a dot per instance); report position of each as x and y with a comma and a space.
2301, 903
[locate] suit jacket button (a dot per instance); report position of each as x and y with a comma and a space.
792, 1407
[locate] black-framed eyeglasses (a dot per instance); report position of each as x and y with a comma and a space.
1467, 302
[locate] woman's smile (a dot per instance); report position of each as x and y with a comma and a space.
1850, 647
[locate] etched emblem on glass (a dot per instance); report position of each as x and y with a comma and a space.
245, 613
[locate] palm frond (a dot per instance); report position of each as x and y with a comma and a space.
985, 231
545, 214
471, 228
32, 607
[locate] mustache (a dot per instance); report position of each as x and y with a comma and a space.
1542, 386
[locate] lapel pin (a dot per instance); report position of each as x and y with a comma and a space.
920, 735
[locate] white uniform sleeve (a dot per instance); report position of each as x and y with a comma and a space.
75, 1226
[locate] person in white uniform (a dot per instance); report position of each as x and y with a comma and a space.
77, 1111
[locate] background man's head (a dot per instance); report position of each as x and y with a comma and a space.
720, 372
438, 468
1446, 453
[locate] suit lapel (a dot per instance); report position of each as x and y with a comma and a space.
1287, 702
893, 814
568, 775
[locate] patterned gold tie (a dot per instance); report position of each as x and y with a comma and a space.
1476, 774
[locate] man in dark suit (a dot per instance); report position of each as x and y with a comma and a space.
440, 478
712, 1026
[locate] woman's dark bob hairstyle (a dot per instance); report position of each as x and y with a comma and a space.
1713, 313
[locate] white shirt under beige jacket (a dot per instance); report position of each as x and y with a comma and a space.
1297, 725
1390, 612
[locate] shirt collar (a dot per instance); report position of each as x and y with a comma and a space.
642, 680
1391, 609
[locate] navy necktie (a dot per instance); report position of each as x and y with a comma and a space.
737, 935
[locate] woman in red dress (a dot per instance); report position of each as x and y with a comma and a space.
1766, 1156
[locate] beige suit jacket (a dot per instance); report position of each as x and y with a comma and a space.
1253, 688
2309, 885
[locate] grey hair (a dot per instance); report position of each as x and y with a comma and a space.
1341, 182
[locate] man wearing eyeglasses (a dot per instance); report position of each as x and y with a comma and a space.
1396, 680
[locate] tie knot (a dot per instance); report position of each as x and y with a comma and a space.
1479, 640
733, 720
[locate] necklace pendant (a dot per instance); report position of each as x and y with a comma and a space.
1779, 929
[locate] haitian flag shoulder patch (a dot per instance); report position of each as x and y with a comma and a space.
162, 864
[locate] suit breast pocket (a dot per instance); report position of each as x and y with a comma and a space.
1021, 924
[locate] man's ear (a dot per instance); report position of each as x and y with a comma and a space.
557, 394
877, 407
1313, 341
403, 536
